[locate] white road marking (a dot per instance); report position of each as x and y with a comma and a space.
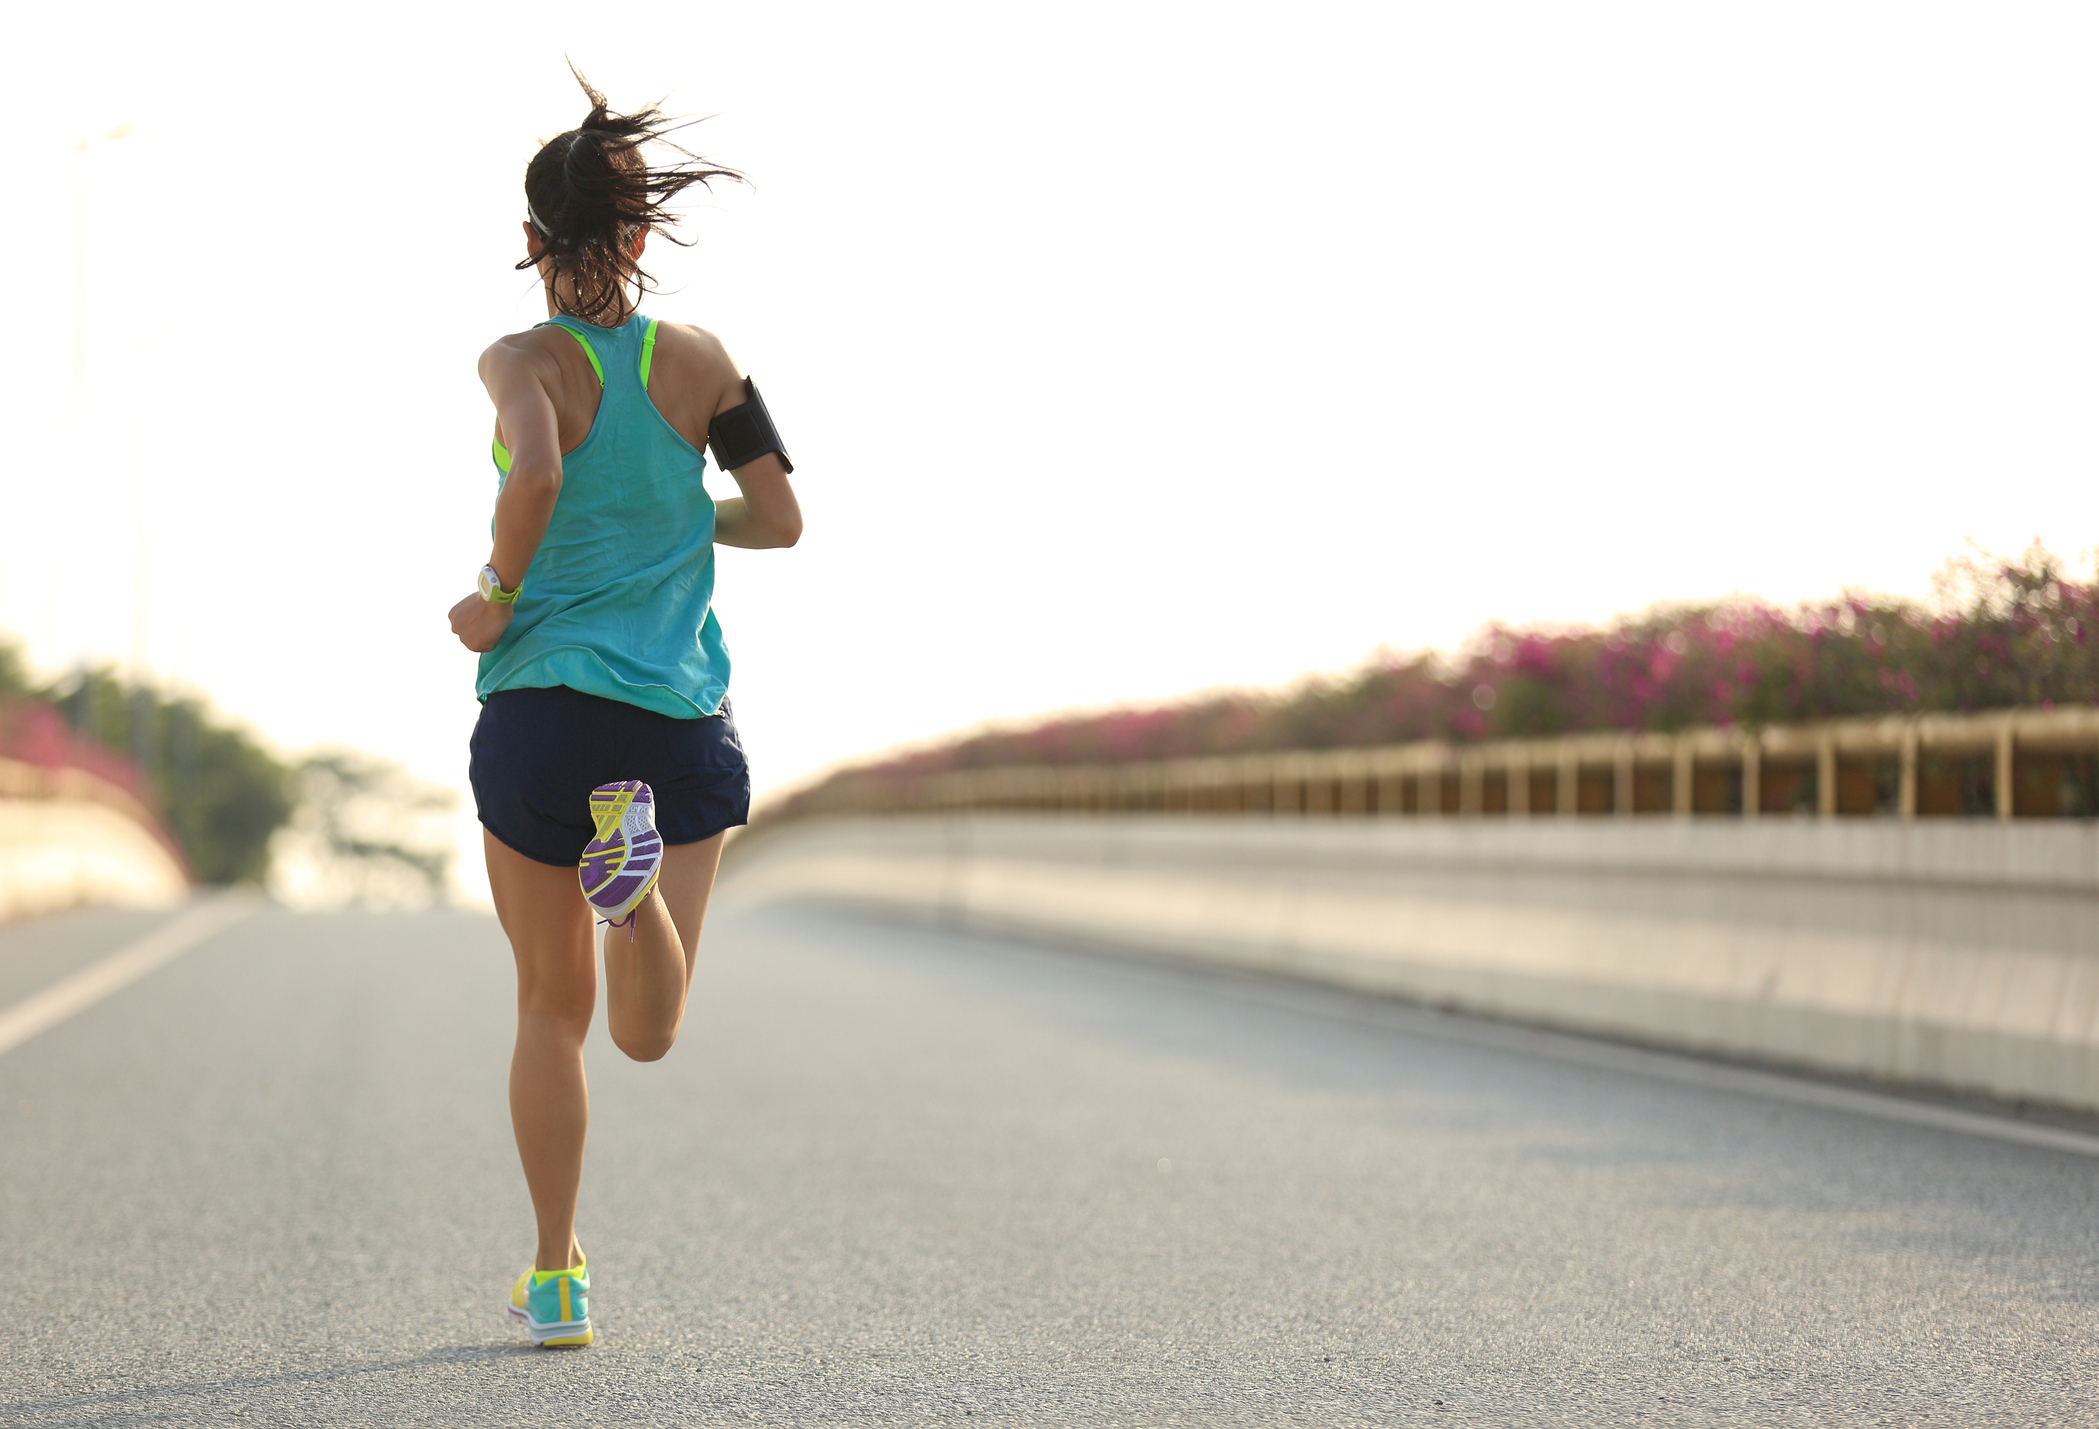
43, 1010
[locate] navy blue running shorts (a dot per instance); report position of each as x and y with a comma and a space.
537, 754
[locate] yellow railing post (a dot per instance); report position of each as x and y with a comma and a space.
1906, 796
2004, 791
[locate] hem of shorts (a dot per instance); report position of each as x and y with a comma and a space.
743, 822
506, 843
724, 828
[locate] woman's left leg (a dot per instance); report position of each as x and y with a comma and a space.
649, 974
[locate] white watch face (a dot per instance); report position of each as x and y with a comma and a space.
487, 583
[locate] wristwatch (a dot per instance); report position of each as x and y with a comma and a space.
491, 586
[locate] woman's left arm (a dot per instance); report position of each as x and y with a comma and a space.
766, 515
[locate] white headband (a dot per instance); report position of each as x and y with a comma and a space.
627, 230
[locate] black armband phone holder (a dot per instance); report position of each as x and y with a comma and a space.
745, 433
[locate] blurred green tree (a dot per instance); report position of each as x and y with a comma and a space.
218, 792
14, 677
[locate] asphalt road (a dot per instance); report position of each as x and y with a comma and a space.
901, 1175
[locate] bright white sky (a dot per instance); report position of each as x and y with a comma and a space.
1124, 350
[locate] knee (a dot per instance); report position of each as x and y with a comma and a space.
566, 1012
644, 1046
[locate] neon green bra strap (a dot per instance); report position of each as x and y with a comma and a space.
648, 352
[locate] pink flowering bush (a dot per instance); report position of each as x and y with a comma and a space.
34, 733
1997, 633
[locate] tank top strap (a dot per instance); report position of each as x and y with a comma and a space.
575, 330
627, 349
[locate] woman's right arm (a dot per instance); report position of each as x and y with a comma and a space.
520, 377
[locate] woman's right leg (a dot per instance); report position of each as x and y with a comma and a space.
542, 909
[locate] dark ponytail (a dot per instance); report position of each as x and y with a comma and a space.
589, 190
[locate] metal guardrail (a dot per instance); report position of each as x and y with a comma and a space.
2023, 763
34, 781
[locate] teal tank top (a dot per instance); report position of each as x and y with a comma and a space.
619, 601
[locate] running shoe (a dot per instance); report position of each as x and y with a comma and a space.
620, 864
554, 1305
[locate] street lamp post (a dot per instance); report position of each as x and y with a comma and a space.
141, 721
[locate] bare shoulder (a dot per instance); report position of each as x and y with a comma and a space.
521, 353
693, 377
698, 350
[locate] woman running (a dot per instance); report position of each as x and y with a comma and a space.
605, 764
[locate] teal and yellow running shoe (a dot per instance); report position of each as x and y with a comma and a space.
554, 1304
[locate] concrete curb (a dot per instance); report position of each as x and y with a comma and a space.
1961, 954
59, 853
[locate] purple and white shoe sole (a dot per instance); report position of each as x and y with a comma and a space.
619, 866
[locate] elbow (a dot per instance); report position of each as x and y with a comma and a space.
775, 527
543, 482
